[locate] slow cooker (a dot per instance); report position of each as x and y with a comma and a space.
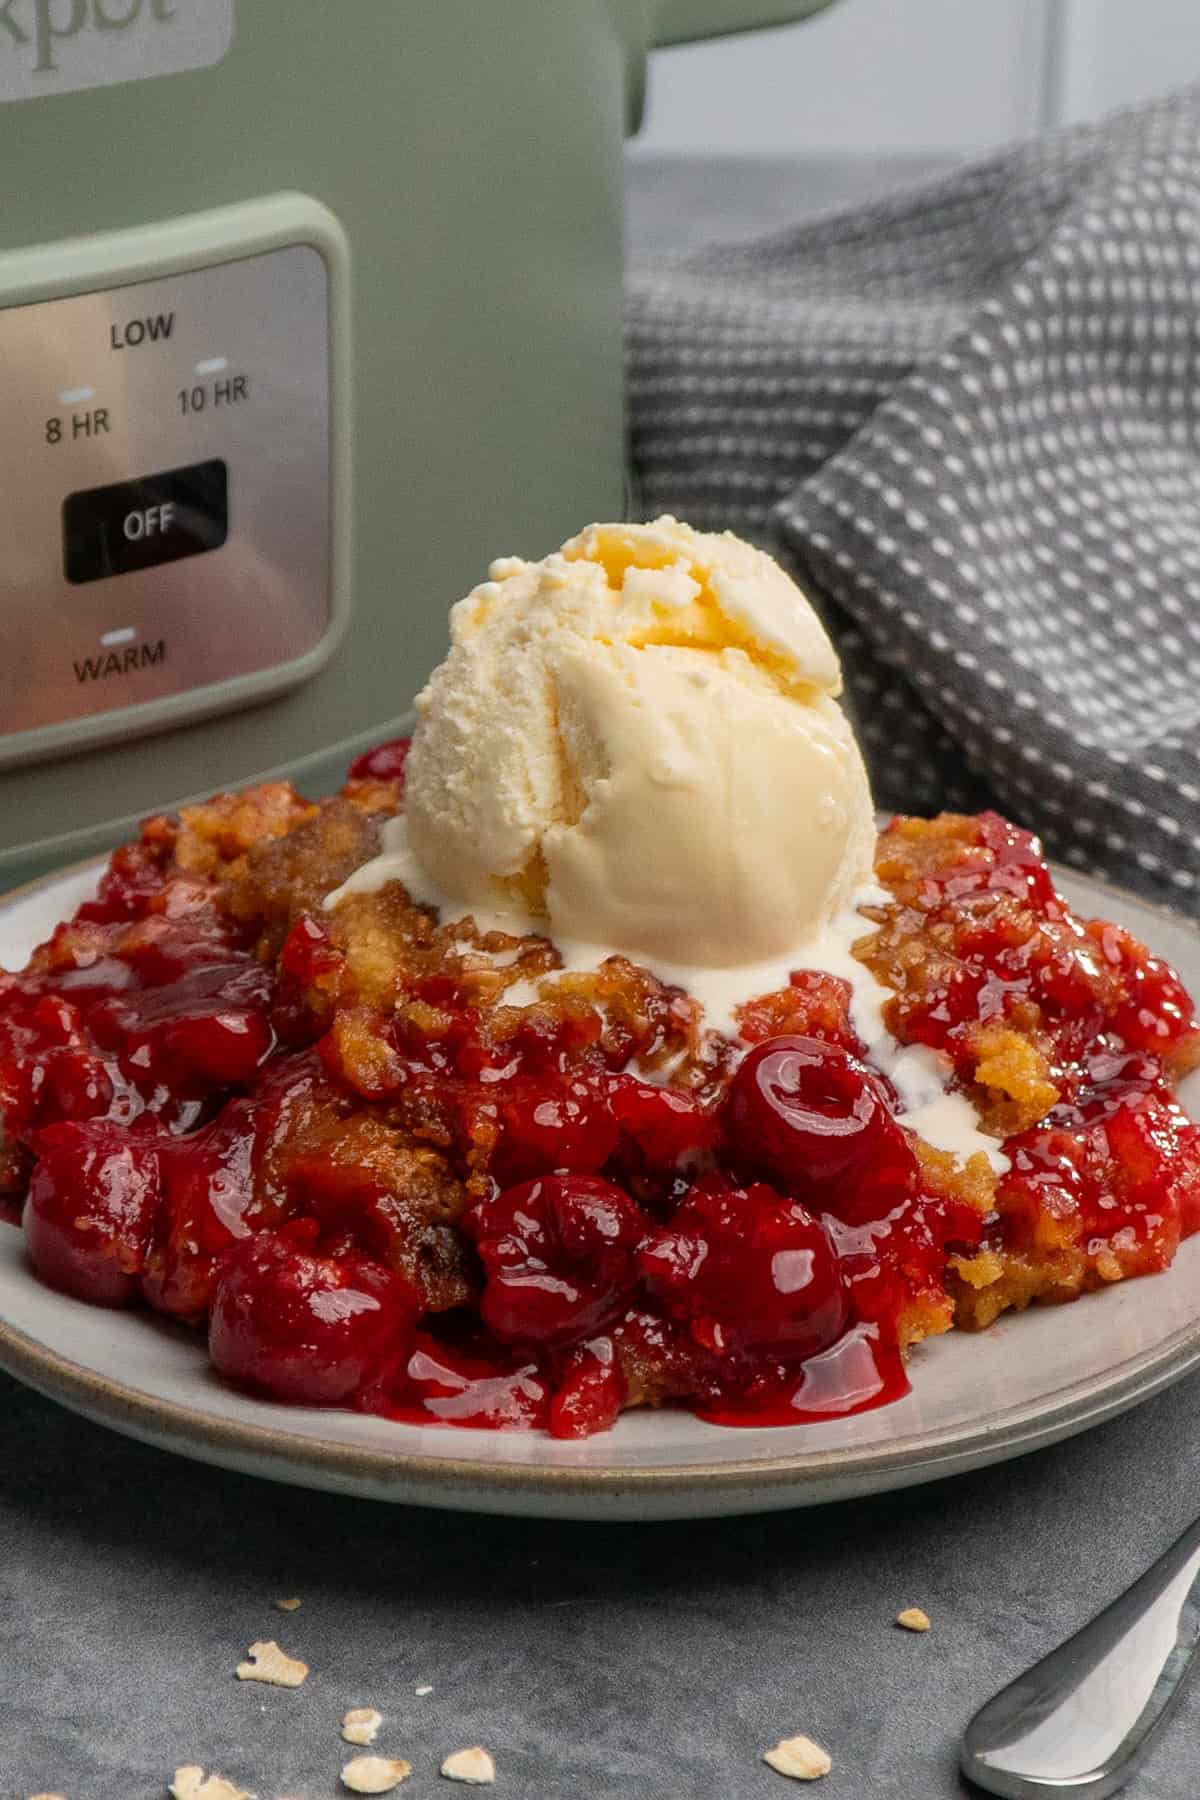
306, 312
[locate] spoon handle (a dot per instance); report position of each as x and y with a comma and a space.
1079, 1721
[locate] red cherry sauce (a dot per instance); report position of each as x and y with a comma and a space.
760, 1249
857, 1373
384, 762
470, 1384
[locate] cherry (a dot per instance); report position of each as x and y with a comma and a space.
307, 1328
208, 1192
208, 1028
77, 1085
1113, 1172
1002, 859
1044, 1192
130, 884
385, 762
591, 1393
309, 952
745, 1267
90, 1210
1019, 865
169, 946
670, 1129
221, 1183
1156, 1012
545, 1127
224, 1048
558, 1257
1109, 1078
815, 1118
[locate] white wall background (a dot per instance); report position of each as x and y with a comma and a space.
918, 75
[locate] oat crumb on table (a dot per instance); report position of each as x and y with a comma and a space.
290, 1605
913, 1618
267, 1662
375, 1774
190, 1784
361, 1725
800, 1758
473, 1765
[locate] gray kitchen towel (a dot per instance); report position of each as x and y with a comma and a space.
969, 418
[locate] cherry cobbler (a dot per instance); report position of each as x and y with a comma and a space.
388, 1165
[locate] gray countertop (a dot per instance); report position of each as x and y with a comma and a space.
648, 1661
655, 1662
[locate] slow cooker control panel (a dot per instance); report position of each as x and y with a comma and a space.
168, 494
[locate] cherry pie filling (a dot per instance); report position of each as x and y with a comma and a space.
329, 1138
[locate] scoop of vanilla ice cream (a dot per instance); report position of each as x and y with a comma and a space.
637, 740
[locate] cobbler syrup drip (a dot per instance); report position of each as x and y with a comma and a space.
857, 1373
176, 1119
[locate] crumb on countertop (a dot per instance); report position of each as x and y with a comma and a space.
190, 1784
800, 1758
474, 1766
375, 1774
361, 1724
267, 1662
913, 1619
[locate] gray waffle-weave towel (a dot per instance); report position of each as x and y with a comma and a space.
970, 419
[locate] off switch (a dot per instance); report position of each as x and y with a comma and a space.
149, 521
139, 524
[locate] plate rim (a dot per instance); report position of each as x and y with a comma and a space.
921, 1455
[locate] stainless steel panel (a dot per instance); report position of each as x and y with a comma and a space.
228, 362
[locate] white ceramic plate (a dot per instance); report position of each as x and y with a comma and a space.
1028, 1381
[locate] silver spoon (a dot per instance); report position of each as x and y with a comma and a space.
1079, 1722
